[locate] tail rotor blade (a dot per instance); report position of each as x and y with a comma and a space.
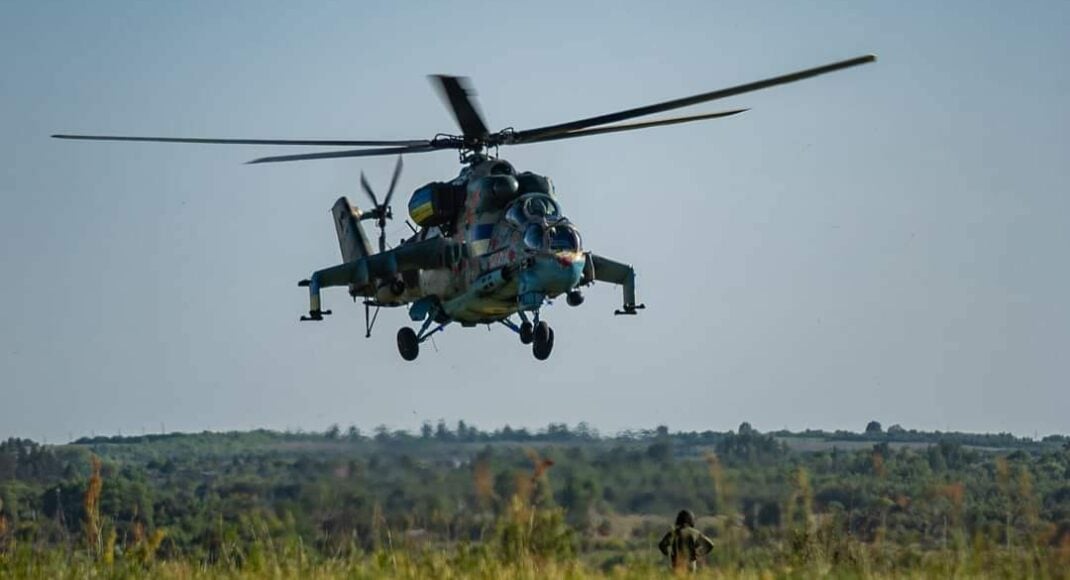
368, 189
393, 181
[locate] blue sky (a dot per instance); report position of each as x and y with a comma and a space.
886, 243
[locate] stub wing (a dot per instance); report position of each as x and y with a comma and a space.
364, 272
607, 270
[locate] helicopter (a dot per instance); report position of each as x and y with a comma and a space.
491, 243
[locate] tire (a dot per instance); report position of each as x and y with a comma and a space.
574, 298
527, 333
543, 343
408, 344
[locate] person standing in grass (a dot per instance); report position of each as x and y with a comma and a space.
684, 544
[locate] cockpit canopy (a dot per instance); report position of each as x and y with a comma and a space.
538, 216
533, 208
560, 237
564, 237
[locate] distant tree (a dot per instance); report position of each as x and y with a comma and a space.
896, 429
660, 451
937, 462
333, 432
353, 433
426, 430
9, 463
745, 428
557, 432
873, 427
749, 445
584, 431
442, 432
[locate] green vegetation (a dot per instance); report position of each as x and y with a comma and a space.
561, 502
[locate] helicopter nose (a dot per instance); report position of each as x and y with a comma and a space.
573, 263
556, 273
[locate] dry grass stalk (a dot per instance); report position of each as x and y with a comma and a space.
91, 503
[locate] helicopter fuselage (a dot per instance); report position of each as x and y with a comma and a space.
520, 250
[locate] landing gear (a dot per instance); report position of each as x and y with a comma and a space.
408, 343
539, 335
409, 340
543, 341
574, 298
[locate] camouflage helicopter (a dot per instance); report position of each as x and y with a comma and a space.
488, 245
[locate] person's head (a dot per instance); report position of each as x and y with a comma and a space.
685, 518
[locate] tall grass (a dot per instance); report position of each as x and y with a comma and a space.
826, 557
529, 538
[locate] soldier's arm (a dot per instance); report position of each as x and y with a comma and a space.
705, 544
663, 545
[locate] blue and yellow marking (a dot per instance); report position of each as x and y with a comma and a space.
479, 236
421, 205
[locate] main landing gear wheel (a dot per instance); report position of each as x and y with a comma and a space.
408, 344
543, 341
527, 333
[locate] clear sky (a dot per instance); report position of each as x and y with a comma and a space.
888, 242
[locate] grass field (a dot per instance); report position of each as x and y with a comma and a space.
294, 563
466, 504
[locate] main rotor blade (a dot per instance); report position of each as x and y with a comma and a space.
532, 134
368, 190
393, 182
459, 95
347, 153
327, 143
633, 126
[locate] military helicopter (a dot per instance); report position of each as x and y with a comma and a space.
491, 243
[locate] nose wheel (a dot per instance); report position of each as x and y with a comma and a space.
542, 340
539, 335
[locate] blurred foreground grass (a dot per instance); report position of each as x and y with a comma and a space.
265, 561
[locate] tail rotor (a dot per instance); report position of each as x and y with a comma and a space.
381, 212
